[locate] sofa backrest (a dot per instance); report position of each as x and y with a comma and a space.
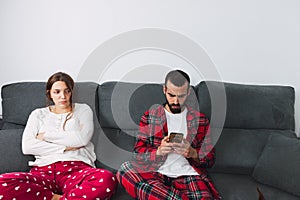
20, 99
253, 113
251, 106
118, 107
121, 106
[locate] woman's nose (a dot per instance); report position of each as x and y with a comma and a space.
63, 95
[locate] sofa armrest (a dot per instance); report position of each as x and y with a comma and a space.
12, 158
278, 165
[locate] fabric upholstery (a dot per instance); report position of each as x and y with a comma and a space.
113, 147
86, 92
121, 105
250, 106
249, 145
278, 166
243, 150
243, 187
237, 150
19, 99
12, 158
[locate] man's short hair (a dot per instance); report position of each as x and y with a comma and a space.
177, 77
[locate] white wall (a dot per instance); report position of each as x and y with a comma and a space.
248, 41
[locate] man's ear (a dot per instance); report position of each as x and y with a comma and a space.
189, 91
164, 89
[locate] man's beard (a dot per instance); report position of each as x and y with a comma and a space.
175, 110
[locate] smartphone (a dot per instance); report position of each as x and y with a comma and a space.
176, 137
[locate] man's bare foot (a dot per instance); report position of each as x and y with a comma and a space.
56, 197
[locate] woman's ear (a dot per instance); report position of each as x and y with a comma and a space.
48, 94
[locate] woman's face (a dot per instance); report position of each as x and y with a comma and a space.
60, 95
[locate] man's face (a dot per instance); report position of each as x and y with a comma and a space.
176, 96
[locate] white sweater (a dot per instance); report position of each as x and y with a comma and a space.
78, 133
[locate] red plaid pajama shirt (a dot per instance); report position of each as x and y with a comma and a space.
139, 177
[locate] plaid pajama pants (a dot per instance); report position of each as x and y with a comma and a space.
73, 180
155, 186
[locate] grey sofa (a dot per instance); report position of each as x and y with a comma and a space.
257, 147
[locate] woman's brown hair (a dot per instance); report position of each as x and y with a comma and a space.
60, 76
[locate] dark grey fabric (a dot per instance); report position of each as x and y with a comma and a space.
9, 125
1, 123
251, 106
253, 114
12, 158
86, 92
113, 147
276, 194
243, 187
121, 105
237, 150
121, 194
235, 187
20, 99
278, 166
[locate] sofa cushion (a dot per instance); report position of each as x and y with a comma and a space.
279, 163
237, 150
243, 187
113, 147
12, 158
121, 104
20, 99
233, 186
249, 106
86, 92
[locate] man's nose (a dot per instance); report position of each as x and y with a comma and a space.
176, 100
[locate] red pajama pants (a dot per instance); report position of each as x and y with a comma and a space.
72, 180
155, 186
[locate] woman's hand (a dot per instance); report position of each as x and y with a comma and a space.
40, 136
72, 148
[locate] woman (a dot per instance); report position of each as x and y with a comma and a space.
59, 137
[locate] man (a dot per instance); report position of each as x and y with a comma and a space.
164, 169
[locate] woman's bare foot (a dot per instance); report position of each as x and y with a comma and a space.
56, 197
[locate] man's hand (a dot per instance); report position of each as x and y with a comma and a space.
165, 147
185, 149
